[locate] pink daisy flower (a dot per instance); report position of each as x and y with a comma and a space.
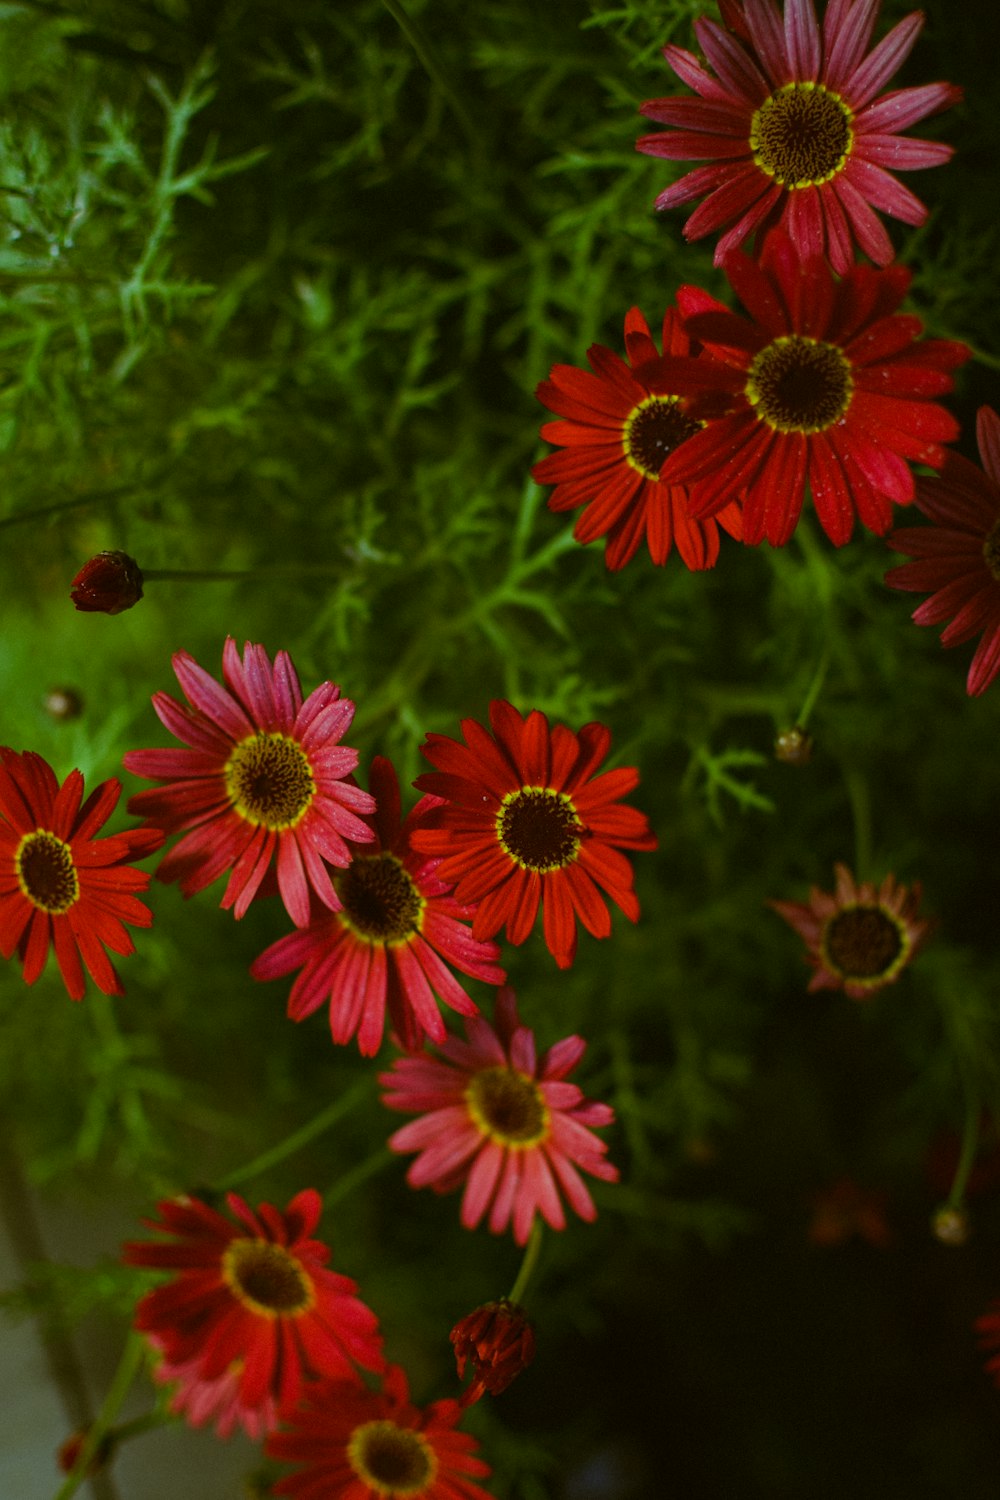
958, 559
795, 129
388, 943
215, 1400
263, 778
503, 1121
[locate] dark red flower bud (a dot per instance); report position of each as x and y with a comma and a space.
70, 1451
108, 583
498, 1340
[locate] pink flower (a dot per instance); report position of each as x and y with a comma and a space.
503, 1121
794, 129
216, 1399
264, 777
387, 944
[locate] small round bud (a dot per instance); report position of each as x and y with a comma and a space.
951, 1225
794, 746
63, 703
108, 584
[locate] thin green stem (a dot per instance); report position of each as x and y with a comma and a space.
814, 690
425, 53
370, 1167
94, 497
528, 1263
967, 1155
299, 1138
293, 570
128, 1368
861, 812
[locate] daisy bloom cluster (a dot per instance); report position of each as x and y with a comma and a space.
524, 821
262, 781
390, 943
859, 937
957, 559
62, 887
251, 1312
355, 1444
795, 129
502, 1120
620, 423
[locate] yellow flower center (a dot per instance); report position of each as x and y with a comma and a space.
539, 828
269, 780
801, 135
381, 903
393, 1460
509, 1107
267, 1279
864, 944
652, 431
798, 384
46, 872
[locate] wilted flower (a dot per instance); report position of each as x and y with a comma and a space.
498, 1341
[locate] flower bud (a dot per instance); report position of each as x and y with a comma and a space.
109, 583
951, 1225
63, 703
794, 746
70, 1450
498, 1341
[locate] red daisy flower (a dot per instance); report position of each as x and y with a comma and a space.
60, 885
254, 1293
525, 820
396, 925
988, 1329
200, 1401
844, 1210
960, 559
795, 128
264, 776
622, 422
860, 938
827, 386
367, 1445
503, 1121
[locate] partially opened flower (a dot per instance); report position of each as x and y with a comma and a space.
621, 422
795, 128
525, 821
503, 1121
374, 1445
859, 938
496, 1341
390, 943
61, 886
958, 558
829, 387
252, 1293
262, 781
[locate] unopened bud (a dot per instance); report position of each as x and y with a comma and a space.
498, 1341
794, 746
951, 1226
108, 584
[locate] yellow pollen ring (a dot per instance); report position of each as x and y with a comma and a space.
802, 135
46, 872
866, 946
267, 1279
508, 1108
269, 780
539, 829
393, 1460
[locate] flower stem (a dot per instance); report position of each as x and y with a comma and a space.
861, 812
967, 1155
128, 1368
815, 688
300, 1137
425, 53
294, 570
528, 1263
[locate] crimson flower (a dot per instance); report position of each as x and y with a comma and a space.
795, 129
827, 386
60, 885
264, 777
217, 1400
504, 1121
988, 1328
859, 938
525, 820
497, 1341
622, 421
959, 558
252, 1297
374, 1445
388, 942
108, 584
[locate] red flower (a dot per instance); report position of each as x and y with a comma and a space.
795, 128
988, 1328
217, 1400
498, 1341
843, 1210
503, 1121
860, 938
366, 1445
828, 387
396, 924
525, 820
622, 422
109, 583
255, 1294
263, 777
60, 885
959, 560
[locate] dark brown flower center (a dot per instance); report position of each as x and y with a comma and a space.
508, 1107
267, 1278
799, 384
991, 551
862, 942
270, 780
393, 1460
801, 135
46, 872
539, 828
381, 902
652, 432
